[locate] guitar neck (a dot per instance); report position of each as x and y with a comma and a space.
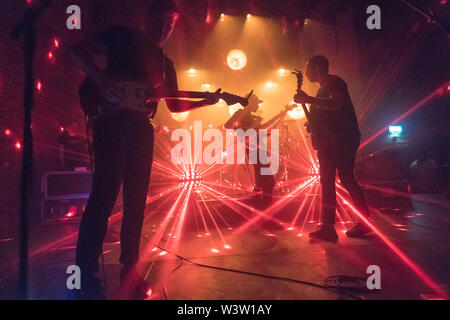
177, 94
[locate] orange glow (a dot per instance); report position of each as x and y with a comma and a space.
296, 113
180, 116
237, 59
270, 85
233, 108
283, 72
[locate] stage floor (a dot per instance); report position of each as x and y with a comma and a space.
413, 257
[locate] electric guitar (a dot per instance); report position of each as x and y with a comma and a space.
138, 97
287, 107
309, 124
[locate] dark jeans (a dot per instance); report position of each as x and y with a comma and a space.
123, 150
342, 159
264, 183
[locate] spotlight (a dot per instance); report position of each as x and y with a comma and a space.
206, 86
191, 178
222, 17
7, 132
236, 59
270, 85
192, 72
296, 113
282, 72
249, 16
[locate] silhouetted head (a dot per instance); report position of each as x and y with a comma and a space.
317, 68
158, 19
254, 102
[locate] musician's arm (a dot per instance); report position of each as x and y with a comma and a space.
176, 105
274, 121
333, 103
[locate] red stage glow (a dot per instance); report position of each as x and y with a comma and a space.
420, 273
18, 146
8, 132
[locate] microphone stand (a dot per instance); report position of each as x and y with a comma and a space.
26, 30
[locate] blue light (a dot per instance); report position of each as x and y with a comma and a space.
395, 130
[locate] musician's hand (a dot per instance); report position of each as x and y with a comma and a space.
301, 97
109, 89
307, 127
212, 98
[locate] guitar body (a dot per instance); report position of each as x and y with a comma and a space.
135, 94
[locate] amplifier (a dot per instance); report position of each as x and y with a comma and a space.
64, 195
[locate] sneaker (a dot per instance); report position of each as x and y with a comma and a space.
133, 286
325, 232
91, 289
359, 230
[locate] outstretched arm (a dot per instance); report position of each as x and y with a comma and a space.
274, 121
176, 105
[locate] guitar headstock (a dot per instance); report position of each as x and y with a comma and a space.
289, 107
233, 99
299, 75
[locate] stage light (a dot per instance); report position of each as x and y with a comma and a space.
8, 132
395, 131
192, 72
296, 113
18, 146
282, 72
50, 55
270, 85
215, 250
221, 103
56, 42
206, 86
180, 116
236, 59
39, 85
222, 17
233, 108
249, 16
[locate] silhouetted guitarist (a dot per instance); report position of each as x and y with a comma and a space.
337, 137
123, 140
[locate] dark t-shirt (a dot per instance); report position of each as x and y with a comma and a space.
341, 124
131, 55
